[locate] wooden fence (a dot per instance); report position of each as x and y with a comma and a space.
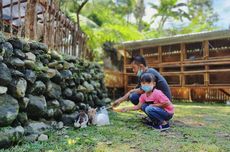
42, 20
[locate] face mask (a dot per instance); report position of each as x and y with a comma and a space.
139, 73
147, 88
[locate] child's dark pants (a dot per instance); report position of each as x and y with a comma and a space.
156, 114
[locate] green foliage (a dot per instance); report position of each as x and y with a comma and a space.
107, 21
169, 9
112, 26
139, 13
203, 16
124, 7
95, 19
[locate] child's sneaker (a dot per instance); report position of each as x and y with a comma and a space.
165, 127
161, 127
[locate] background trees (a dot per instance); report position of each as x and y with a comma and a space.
115, 21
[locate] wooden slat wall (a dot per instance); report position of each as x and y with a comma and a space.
200, 76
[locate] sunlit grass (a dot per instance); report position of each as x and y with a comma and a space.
195, 127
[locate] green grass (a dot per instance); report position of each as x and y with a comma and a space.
195, 127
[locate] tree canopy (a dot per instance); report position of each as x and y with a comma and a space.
122, 20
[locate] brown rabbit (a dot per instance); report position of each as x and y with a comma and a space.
92, 116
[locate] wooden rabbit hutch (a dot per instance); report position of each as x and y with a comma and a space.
196, 66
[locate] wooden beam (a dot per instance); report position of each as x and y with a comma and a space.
15, 18
14, 3
225, 92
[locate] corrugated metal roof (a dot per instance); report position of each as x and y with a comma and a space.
186, 38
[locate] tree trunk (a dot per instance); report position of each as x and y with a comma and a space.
78, 12
140, 27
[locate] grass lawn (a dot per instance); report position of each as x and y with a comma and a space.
195, 127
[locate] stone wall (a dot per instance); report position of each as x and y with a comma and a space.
38, 85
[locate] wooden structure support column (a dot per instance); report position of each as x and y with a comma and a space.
182, 58
159, 49
125, 72
206, 55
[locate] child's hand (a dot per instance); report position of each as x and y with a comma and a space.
115, 104
124, 109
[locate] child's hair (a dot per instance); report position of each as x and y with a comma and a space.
148, 77
138, 60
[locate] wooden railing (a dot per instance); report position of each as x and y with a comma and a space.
42, 20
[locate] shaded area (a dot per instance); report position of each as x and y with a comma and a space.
195, 127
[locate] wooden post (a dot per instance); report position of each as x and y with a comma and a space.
45, 28
183, 52
57, 42
124, 66
159, 54
206, 49
77, 41
70, 41
74, 42
141, 51
48, 35
1, 17
67, 38
206, 55
61, 33
190, 94
31, 19
11, 17
183, 55
159, 49
19, 33
53, 27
